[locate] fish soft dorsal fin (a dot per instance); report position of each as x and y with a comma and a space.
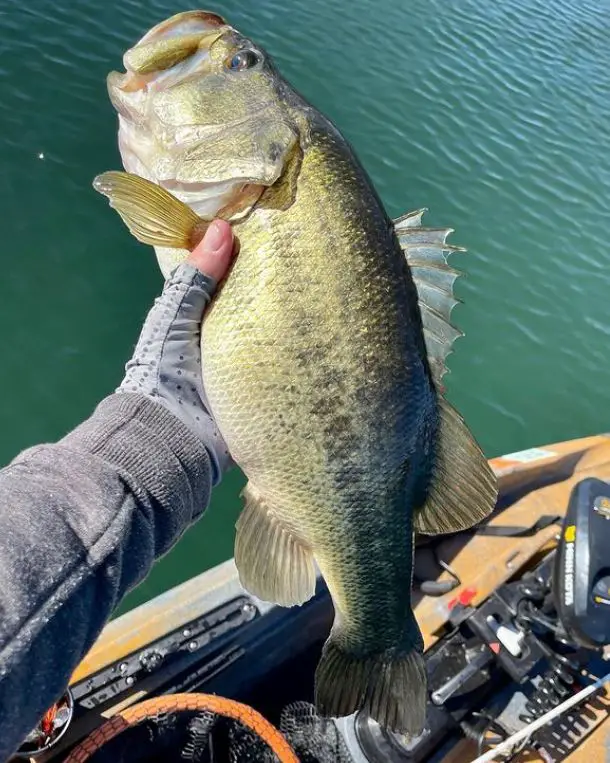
426, 250
463, 488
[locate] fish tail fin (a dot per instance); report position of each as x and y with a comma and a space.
152, 214
463, 488
390, 686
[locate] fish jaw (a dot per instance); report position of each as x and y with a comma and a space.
146, 148
211, 136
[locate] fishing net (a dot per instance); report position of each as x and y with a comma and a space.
312, 738
208, 729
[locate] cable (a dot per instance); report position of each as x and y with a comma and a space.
480, 733
529, 614
543, 720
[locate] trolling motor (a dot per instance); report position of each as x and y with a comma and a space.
559, 614
582, 565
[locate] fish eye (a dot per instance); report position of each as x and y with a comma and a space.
245, 59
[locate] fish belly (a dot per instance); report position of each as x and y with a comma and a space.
309, 351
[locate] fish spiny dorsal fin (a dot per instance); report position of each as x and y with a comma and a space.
426, 250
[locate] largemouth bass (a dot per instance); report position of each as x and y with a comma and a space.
323, 350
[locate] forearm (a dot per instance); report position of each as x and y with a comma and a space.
71, 549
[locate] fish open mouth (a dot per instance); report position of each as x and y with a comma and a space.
171, 51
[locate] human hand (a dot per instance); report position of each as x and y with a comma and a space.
166, 364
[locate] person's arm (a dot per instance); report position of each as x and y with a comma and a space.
83, 520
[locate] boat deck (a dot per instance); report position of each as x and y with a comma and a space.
533, 484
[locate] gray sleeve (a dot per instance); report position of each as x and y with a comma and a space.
81, 522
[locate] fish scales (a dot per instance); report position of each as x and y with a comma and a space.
315, 381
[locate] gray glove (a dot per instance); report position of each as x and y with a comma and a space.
166, 364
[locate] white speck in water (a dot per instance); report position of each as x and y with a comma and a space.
41, 155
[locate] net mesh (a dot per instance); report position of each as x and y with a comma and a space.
206, 737
313, 739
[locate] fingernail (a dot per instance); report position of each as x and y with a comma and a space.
214, 238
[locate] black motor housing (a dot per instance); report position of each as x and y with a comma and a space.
581, 580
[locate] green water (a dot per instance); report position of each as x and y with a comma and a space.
493, 115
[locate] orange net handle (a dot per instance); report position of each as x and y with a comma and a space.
228, 708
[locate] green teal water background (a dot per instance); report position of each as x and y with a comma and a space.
495, 116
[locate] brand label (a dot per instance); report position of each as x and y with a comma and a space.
526, 456
568, 574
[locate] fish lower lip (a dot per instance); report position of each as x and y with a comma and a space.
176, 185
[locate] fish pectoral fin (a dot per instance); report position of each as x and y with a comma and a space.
427, 250
272, 563
152, 214
389, 686
463, 488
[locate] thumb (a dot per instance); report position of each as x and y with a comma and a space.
213, 254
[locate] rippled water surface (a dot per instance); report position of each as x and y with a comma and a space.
495, 116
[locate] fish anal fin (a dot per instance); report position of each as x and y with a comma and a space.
152, 214
273, 564
463, 488
426, 251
